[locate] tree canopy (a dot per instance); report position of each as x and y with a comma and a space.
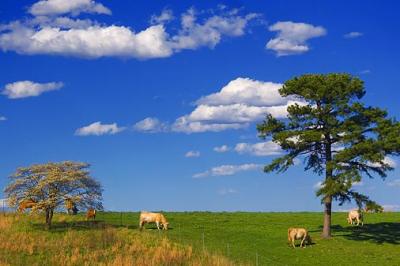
335, 134
50, 185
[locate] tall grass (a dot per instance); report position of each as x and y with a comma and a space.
23, 241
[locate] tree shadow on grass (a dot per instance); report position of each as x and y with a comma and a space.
379, 233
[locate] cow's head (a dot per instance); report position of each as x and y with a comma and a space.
165, 226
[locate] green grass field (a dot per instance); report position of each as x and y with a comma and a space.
242, 237
248, 237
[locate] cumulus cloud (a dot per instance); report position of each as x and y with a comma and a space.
89, 39
292, 37
245, 91
3, 118
209, 33
353, 34
191, 154
221, 149
150, 125
98, 129
259, 149
58, 7
225, 170
238, 104
23, 89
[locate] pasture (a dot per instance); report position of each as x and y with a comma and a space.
246, 238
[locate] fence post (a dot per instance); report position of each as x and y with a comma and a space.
120, 218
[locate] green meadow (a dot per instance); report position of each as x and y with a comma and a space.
249, 236
207, 238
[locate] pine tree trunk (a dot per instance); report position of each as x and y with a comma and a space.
326, 232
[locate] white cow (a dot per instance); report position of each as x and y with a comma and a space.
355, 216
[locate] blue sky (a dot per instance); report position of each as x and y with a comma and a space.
162, 99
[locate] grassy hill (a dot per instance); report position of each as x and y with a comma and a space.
243, 238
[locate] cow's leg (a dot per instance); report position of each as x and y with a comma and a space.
293, 243
158, 225
302, 242
141, 223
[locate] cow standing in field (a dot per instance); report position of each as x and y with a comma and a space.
152, 217
91, 213
26, 204
299, 233
355, 216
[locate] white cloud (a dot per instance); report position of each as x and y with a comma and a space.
353, 34
150, 125
259, 149
225, 170
221, 149
292, 37
98, 129
227, 191
58, 7
23, 89
185, 125
89, 39
394, 183
238, 104
3, 118
358, 184
165, 16
209, 33
191, 154
246, 91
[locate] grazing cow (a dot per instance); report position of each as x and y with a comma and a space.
355, 215
299, 233
152, 217
91, 213
26, 204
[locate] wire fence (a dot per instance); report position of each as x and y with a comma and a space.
200, 238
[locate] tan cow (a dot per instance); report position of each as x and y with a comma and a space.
91, 213
355, 216
26, 204
152, 217
299, 233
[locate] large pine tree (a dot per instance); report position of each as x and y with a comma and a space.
335, 134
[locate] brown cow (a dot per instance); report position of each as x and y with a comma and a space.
91, 213
152, 217
26, 204
299, 233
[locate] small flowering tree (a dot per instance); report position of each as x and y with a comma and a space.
49, 185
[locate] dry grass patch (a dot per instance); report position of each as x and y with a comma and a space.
21, 243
